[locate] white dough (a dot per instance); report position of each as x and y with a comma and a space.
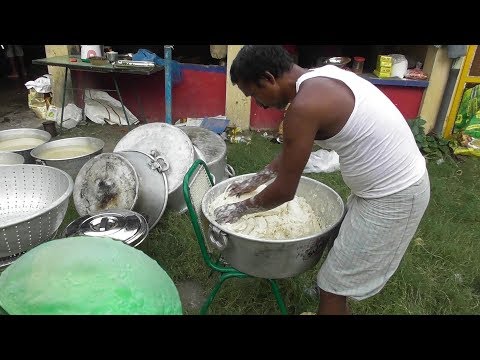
291, 220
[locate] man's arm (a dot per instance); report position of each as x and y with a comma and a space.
266, 174
300, 127
321, 104
299, 135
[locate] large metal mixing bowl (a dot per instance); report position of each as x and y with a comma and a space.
276, 259
19, 133
70, 164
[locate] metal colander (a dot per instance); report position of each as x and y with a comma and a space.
33, 203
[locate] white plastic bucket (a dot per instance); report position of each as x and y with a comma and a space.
91, 50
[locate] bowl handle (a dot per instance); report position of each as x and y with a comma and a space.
159, 163
217, 237
229, 170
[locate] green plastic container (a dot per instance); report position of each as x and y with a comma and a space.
87, 275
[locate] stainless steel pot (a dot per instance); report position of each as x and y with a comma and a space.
211, 148
172, 145
10, 158
70, 164
128, 180
277, 259
11, 134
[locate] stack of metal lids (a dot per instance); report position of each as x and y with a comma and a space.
124, 225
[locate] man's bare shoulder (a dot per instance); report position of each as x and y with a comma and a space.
322, 100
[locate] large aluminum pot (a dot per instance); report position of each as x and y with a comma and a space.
170, 144
210, 148
22, 141
277, 259
70, 161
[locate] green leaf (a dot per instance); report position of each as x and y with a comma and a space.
445, 150
419, 138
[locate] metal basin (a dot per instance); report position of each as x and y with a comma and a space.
10, 158
277, 259
72, 163
25, 133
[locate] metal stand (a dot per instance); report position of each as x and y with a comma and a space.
168, 83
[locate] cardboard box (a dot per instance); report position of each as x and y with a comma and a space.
382, 74
384, 61
384, 69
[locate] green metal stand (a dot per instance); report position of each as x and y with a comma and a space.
194, 210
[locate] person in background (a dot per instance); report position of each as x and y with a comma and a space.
16, 51
379, 161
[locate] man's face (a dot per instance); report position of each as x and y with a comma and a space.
267, 93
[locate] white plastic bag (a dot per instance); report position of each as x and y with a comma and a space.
41, 85
322, 161
72, 115
101, 108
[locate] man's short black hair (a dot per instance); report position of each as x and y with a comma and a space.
253, 61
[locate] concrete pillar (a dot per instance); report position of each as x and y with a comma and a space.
237, 105
58, 74
437, 65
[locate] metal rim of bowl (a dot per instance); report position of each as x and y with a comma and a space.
20, 130
46, 209
14, 155
47, 144
283, 241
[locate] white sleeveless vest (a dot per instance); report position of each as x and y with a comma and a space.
378, 153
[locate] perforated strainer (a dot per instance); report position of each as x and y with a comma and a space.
33, 203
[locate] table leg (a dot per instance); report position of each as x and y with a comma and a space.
63, 100
140, 105
84, 116
120, 98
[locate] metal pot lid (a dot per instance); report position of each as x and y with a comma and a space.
169, 142
210, 144
118, 224
107, 181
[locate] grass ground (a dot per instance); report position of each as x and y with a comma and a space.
440, 273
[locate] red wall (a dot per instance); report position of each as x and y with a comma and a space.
200, 93
261, 118
406, 98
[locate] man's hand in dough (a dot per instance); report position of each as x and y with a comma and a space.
230, 213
